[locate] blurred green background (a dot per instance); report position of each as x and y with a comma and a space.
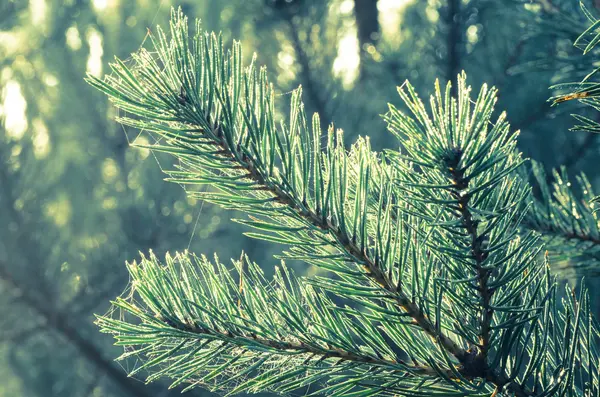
76, 201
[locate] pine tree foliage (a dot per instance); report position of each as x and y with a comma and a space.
566, 215
434, 290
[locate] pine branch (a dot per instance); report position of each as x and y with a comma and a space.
423, 241
458, 174
286, 327
567, 220
479, 254
267, 178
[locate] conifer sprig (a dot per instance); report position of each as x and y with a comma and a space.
197, 327
334, 209
565, 215
442, 295
457, 172
585, 91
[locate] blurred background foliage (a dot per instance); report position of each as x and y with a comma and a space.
76, 201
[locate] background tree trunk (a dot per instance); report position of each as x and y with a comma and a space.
454, 42
367, 23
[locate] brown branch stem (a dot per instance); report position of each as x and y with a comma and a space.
470, 364
478, 365
188, 325
584, 238
360, 257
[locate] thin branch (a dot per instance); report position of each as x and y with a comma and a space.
476, 364
308, 82
511, 61
543, 109
289, 346
549, 228
60, 323
579, 153
8, 199
480, 255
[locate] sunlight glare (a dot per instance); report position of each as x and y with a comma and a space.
37, 10
390, 16
347, 61
13, 110
73, 38
100, 5
41, 139
346, 64
346, 6
94, 63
